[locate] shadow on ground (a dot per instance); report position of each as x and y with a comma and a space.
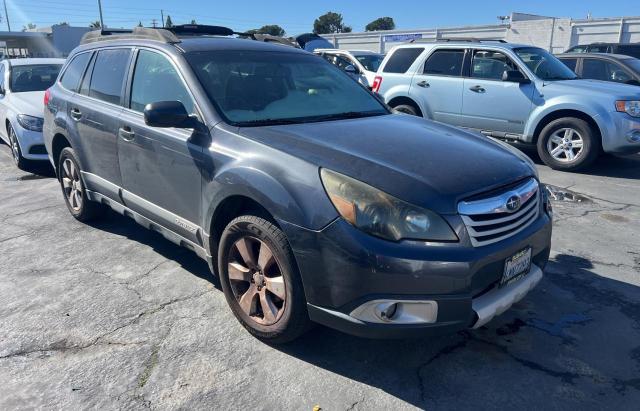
541, 340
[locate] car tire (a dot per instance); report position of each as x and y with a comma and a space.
73, 190
407, 109
261, 281
16, 152
568, 144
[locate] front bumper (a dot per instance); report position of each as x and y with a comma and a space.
624, 137
343, 268
31, 144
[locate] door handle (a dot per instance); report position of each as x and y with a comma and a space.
126, 133
76, 114
477, 89
423, 84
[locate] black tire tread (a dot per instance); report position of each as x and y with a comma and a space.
90, 210
592, 144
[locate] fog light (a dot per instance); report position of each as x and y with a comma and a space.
397, 312
386, 311
634, 136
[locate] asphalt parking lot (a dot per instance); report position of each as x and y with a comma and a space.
113, 316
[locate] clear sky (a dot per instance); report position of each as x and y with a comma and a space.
297, 16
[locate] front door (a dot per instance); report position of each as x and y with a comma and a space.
490, 104
438, 88
160, 166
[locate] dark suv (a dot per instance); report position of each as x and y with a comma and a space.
303, 192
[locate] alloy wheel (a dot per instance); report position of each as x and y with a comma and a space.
565, 145
256, 280
15, 148
71, 184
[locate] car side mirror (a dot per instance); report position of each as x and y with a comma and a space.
351, 69
168, 114
515, 76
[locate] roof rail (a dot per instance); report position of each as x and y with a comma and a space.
165, 35
162, 35
461, 39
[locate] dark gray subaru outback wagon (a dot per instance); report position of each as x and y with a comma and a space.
311, 201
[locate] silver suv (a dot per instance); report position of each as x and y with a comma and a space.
518, 93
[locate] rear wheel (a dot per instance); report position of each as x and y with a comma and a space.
75, 195
260, 280
16, 151
568, 144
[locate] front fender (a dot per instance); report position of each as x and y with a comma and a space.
296, 198
596, 111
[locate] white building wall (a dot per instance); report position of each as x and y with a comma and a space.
551, 33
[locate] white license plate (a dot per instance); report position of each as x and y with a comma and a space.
516, 266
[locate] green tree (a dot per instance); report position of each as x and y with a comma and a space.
168, 23
193, 21
140, 24
272, 29
382, 23
95, 24
330, 23
29, 26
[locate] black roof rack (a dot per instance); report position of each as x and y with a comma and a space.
461, 39
165, 35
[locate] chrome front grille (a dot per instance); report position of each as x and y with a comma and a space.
492, 219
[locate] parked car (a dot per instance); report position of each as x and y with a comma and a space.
362, 65
629, 49
605, 67
518, 93
22, 86
304, 193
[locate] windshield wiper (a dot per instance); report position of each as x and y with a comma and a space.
347, 115
267, 122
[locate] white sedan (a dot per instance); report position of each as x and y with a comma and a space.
22, 86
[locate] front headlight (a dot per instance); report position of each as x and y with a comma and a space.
30, 122
380, 214
631, 107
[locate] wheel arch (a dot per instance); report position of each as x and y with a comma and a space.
563, 113
58, 143
405, 100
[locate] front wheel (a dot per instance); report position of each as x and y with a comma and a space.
568, 144
407, 109
260, 280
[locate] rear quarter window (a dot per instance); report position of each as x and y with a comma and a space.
402, 59
73, 72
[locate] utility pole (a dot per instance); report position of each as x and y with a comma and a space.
154, 23
162, 17
6, 15
100, 9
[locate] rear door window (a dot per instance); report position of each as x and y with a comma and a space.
445, 63
74, 71
570, 62
402, 59
108, 75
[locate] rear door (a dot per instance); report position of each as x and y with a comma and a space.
490, 104
438, 86
161, 167
96, 109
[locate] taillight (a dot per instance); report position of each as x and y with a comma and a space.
377, 81
47, 96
